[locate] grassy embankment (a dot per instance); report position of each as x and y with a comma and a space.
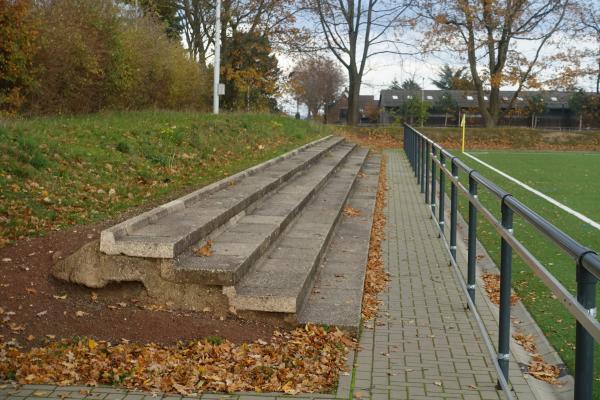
62, 171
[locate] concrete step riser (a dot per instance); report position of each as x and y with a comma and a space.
340, 276
269, 240
308, 283
293, 304
245, 203
114, 240
186, 273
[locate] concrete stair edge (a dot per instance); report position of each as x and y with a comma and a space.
268, 303
109, 238
185, 271
318, 307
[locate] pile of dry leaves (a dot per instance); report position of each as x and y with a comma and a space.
492, 288
537, 367
305, 360
376, 278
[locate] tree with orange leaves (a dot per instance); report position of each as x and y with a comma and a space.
492, 35
17, 48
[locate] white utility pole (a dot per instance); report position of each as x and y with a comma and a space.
217, 63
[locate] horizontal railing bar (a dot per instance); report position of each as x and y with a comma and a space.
580, 313
589, 259
484, 334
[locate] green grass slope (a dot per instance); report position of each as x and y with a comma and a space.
62, 171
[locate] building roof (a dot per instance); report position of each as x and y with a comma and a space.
468, 98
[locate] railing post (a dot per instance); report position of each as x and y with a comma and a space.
584, 343
423, 163
427, 172
505, 291
441, 216
416, 139
433, 171
472, 246
420, 158
404, 144
453, 209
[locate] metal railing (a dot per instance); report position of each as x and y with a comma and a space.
429, 162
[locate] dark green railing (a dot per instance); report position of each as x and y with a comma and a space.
429, 162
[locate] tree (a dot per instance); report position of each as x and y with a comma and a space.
588, 22
453, 79
492, 31
410, 84
316, 82
447, 105
250, 72
395, 85
274, 19
165, 10
18, 35
415, 108
354, 31
536, 106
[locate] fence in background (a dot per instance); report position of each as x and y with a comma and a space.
429, 162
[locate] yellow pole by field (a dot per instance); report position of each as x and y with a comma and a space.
463, 124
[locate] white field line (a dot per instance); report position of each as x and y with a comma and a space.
537, 192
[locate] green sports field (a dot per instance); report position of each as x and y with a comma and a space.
572, 178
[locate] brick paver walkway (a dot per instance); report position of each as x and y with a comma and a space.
423, 344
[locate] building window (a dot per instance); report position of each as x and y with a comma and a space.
394, 97
429, 97
470, 98
409, 97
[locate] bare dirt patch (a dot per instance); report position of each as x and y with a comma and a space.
33, 304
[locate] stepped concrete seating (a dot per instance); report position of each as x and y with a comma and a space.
235, 249
275, 230
167, 230
281, 279
336, 298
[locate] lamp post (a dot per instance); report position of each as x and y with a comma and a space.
217, 63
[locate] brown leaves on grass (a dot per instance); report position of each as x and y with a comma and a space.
351, 212
375, 138
537, 367
205, 250
376, 278
492, 288
307, 359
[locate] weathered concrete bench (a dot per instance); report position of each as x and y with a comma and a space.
276, 230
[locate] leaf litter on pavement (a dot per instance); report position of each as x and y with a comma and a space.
376, 278
306, 359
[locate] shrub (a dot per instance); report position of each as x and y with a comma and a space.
17, 47
92, 55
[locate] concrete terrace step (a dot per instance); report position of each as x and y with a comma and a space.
280, 280
249, 237
336, 298
168, 230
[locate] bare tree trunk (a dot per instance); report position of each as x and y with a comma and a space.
353, 99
